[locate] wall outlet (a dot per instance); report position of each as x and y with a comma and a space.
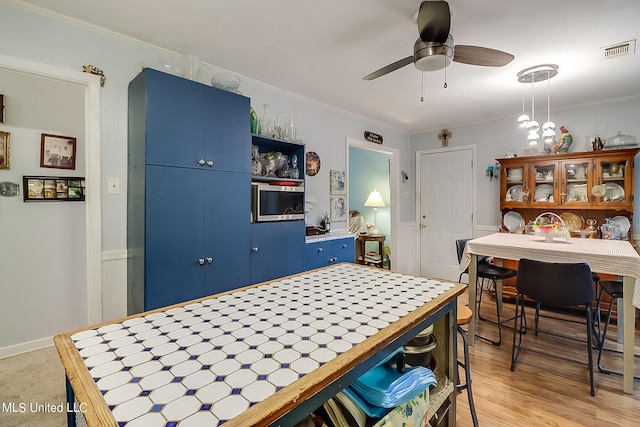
113, 185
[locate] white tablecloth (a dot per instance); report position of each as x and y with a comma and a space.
603, 256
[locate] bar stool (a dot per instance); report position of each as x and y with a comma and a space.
464, 318
614, 290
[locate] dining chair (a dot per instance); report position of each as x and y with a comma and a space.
614, 290
488, 271
553, 285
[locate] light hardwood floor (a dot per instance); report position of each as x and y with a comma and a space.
541, 391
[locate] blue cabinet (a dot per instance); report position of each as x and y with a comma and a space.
277, 249
328, 252
189, 191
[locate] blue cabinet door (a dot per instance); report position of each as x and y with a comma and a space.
175, 120
227, 130
277, 249
226, 230
174, 241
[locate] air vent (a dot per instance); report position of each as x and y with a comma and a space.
619, 49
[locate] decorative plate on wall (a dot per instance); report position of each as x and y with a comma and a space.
312, 163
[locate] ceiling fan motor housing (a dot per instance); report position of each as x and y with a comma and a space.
430, 56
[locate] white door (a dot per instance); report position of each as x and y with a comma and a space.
445, 209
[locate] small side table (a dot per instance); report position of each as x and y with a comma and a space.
377, 260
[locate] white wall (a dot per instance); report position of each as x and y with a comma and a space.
495, 138
28, 35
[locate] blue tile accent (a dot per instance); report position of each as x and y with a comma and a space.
206, 407
236, 391
220, 378
177, 379
135, 380
191, 392
156, 408
262, 377
145, 393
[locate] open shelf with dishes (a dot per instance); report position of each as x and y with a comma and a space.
274, 160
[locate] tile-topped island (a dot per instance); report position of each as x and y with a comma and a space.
267, 354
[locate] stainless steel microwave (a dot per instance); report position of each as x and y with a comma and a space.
276, 202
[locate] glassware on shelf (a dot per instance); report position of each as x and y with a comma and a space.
266, 125
294, 172
256, 164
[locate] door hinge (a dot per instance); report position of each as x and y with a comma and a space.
631, 197
632, 164
471, 216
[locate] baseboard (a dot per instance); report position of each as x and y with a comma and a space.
25, 347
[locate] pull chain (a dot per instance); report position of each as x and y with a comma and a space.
445, 71
422, 97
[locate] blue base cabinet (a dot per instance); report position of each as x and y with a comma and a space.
327, 252
277, 249
189, 191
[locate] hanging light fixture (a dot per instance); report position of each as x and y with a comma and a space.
532, 75
523, 119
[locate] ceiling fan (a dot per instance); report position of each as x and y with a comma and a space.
435, 50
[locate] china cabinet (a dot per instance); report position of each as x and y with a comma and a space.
595, 184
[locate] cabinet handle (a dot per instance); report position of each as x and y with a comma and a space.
209, 260
201, 162
210, 163
201, 261
319, 249
254, 249
344, 246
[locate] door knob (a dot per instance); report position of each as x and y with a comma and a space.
254, 249
201, 261
209, 260
201, 162
423, 225
210, 163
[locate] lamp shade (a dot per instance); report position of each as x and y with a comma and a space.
374, 200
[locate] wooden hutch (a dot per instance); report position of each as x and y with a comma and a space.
560, 183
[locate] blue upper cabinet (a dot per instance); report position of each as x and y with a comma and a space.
197, 126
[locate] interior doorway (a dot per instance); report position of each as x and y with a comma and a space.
445, 208
390, 215
52, 276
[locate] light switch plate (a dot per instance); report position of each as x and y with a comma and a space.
113, 185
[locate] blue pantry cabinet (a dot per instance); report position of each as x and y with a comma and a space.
277, 249
189, 191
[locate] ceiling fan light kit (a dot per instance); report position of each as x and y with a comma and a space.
435, 49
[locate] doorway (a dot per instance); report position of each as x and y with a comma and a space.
52, 279
388, 217
445, 208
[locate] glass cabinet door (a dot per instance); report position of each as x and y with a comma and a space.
545, 188
515, 190
576, 182
613, 182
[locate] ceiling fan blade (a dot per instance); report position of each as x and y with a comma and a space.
389, 68
434, 21
483, 56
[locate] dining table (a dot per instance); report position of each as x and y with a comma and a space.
617, 257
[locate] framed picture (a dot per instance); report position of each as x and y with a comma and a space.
57, 152
4, 150
52, 188
338, 208
336, 184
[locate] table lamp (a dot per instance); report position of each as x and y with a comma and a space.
374, 200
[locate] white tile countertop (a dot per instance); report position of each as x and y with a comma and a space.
329, 236
207, 361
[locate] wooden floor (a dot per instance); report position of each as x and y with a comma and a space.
544, 391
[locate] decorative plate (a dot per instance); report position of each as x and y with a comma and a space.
312, 163
544, 193
577, 193
614, 193
514, 194
513, 220
572, 221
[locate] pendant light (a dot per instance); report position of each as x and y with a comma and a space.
523, 119
532, 75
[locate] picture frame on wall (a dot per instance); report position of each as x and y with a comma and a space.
53, 188
337, 185
58, 152
2, 117
338, 208
4, 149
